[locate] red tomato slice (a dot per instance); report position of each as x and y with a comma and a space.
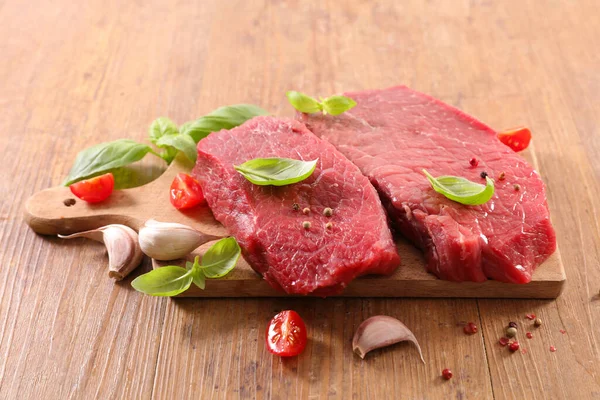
94, 190
185, 192
517, 138
286, 334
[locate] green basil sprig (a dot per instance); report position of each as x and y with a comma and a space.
462, 190
172, 280
164, 134
276, 171
334, 105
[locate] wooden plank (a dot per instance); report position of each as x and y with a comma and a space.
47, 212
74, 74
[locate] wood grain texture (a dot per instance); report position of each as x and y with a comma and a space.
49, 212
76, 73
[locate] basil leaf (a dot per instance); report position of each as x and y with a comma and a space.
276, 171
335, 105
197, 275
462, 190
164, 281
220, 258
161, 127
103, 157
183, 143
222, 118
303, 103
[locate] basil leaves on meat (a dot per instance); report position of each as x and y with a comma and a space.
334, 105
164, 134
276, 171
172, 280
462, 190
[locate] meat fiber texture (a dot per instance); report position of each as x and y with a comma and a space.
393, 134
267, 221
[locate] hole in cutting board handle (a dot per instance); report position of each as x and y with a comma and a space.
69, 202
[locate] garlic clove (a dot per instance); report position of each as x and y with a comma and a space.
169, 240
124, 253
381, 331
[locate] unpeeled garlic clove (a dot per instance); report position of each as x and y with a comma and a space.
381, 331
170, 241
124, 253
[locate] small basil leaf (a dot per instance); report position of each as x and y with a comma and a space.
164, 281
222, 118
197, 275
103, 157
335, 105
462, 190
161, 127
183, 143
276, 171
220, 258
303, 103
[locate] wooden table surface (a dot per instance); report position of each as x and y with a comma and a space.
78, 73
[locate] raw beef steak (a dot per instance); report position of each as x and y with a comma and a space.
267, 221
392, 134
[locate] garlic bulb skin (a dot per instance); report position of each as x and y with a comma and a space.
169, 240
124, 253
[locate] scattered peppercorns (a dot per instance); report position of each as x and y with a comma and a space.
512, 324
538, 322
530, 317
503, 341
328, 212
306, 210
517, 187
329, 225
306, 225
295, 207
511, 332
483, 175
514, 346
474, 162
529, 335
447, 374
502, 176
552, 349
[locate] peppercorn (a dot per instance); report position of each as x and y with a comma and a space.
512, 324
483, 175
517, 187
446, 374
295, 207
474, 162
306, 225
329, 225
538, 322
502, 176
514, 346
306, 210
328, 212
511, 332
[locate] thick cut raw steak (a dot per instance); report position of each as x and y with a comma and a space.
267, 221
392, 134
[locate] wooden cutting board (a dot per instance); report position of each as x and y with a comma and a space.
52, 211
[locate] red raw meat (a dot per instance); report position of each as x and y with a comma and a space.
267, 221
392, 134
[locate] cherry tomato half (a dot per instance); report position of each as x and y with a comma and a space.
286, 334
94, 190
517, 138
185, 192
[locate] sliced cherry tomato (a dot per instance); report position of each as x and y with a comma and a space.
94, 190
517, 138
286, 334
185, 192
